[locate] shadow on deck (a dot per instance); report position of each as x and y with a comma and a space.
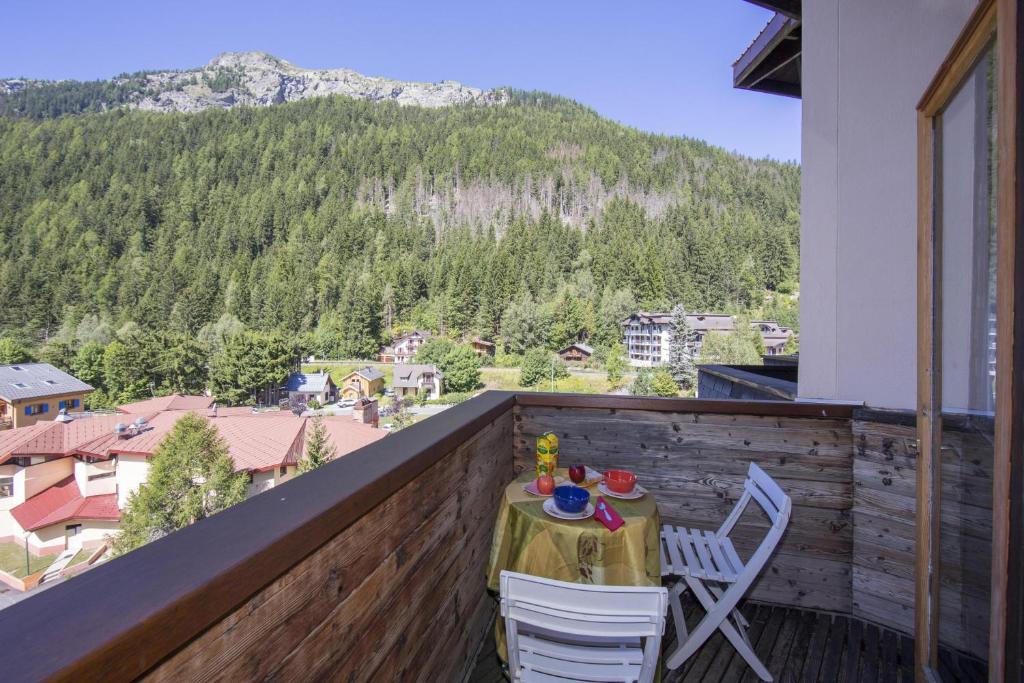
795, 645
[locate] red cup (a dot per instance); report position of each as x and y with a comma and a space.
577, 473
620, 481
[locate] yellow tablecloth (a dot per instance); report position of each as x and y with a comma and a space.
528, 540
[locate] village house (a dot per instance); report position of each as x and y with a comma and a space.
774, 336
64, 484
482, 348
362, 383
33, 392
576, 353
304, 387
403, 349
413, 380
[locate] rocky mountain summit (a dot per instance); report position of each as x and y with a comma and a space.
259, 79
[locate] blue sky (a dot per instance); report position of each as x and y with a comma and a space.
662, 66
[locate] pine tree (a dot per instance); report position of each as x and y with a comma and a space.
616, 365
319, 449
540, 365
663, 384
642, 384
680, 358
12, 352
191, 476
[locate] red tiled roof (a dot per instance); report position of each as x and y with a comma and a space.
172, 402
58, 438
347, 435
261, 443
63, 502
256, 441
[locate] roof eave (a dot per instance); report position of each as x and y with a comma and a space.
791, 8
768, 64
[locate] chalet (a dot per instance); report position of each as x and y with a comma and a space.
774, 336
413, 380
34, 392
403, 349
576, 353
482, 348
362, 383
304, 387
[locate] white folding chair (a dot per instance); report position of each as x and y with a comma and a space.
558, 631
711, 568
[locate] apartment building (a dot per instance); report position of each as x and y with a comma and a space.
648, 336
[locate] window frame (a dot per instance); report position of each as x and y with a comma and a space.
993, 22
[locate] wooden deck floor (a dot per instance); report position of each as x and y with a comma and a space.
795, 645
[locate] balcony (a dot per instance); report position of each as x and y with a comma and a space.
373, 568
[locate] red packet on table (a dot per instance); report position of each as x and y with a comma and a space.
606, 514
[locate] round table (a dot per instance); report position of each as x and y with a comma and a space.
530, 541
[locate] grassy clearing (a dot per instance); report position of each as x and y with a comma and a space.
12, 560
507, 379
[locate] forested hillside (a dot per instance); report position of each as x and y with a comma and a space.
339, 219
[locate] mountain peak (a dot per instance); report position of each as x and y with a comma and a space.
251, 59
256, 78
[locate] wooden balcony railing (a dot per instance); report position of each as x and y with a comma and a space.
372, 568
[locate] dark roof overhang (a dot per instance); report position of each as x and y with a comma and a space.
772, 62
790, 8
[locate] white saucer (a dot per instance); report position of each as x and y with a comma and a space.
638, 492
552, 509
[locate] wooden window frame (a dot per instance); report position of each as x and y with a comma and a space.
998, 20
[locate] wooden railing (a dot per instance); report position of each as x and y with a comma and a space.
372, 568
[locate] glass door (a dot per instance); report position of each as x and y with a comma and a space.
969, 356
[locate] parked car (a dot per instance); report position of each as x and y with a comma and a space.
346, 403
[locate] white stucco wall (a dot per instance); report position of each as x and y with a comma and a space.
96, 487
51, 539
865, 66
37, 478
131, 473
261, 481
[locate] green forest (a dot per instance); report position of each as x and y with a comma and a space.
333, 222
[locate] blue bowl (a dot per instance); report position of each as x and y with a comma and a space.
571, 499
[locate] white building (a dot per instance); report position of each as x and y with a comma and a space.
648, 336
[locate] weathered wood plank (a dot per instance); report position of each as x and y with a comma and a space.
870, 655
346, 608
274, 622
816, 648
776, 660
793, 667
695, 464
583, 431
831, 665
766, 641
888, 665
